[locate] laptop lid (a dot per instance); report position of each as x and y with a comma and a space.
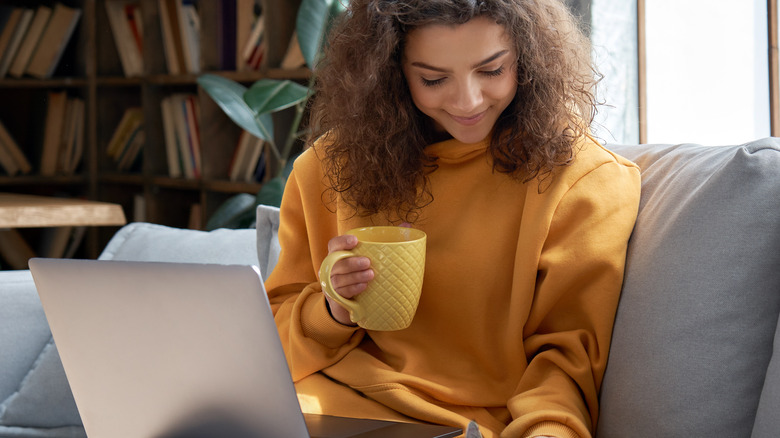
163, 349
170, 350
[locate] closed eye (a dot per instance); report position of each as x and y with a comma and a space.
432, 82
494, 73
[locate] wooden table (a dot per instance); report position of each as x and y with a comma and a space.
29, 211
59, 214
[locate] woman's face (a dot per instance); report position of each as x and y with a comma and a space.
462, 77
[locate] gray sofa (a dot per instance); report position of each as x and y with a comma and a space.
696, 348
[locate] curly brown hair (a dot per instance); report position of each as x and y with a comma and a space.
376, 137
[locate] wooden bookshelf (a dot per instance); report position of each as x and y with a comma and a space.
91, 69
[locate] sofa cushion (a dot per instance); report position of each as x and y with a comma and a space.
697, 316
44, 398
140, 241
767, 422
23, 329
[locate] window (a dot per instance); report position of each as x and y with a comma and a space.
685, 71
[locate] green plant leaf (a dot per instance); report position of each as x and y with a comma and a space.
229, 95
269, 95
312, 24
237, 212
271, 192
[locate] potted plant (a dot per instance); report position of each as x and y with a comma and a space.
253, 108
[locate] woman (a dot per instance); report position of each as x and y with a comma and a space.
469, 120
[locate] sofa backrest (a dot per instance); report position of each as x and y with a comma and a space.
699, 309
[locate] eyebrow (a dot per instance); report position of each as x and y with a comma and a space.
487, 60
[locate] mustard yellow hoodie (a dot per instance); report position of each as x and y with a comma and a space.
519, 296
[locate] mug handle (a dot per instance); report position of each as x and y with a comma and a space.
327, 285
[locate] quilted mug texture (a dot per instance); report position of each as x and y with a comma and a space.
397, 257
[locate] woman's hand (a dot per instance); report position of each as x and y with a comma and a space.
349, 276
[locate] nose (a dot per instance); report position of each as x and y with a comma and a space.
467, 97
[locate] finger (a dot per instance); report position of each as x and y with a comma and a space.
349, 285
339, 243
352, 290
350, 264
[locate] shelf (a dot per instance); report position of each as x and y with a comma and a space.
68, 82
37, 180
223, 186
91, 69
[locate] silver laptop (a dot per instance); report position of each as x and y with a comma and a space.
173, 350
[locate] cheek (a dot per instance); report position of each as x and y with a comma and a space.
423, 97
504, 91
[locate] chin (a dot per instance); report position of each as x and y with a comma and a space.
470, 137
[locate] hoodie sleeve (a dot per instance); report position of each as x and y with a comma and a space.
311, 338
569, 328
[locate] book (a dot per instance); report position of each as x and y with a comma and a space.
169, 46
255, 61
253, 46
176, 109
189, 25
131, 119
15, 40
68, 127
52, 131
192, 113
247, 155
251, 165
53, 41
248, 13
30, 42
239, 155
13, 148
72, 137
127, 46
9, 27
135, 20
132, 150
172, 33
76, 148
171, 146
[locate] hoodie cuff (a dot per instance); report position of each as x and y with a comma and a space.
319, 325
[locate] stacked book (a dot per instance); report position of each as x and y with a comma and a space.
181, 115
63, 134
32, 41
180, 25
249, 160
241, 35
127, 141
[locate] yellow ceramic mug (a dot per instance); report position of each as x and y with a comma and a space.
397, 257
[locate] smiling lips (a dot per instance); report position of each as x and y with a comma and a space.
469, 121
